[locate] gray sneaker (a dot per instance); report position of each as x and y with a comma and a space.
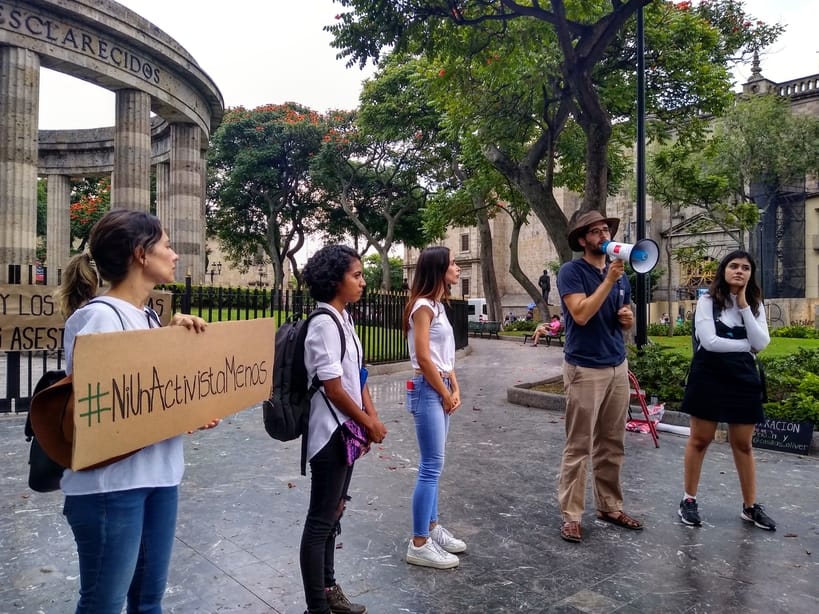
688, 512
431, 555
757, 515
446, 540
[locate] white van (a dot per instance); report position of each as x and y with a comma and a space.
476, 310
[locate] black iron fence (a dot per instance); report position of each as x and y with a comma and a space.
378, 318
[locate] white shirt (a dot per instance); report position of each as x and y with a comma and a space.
756, 327
441, 337
322, 357
161, 464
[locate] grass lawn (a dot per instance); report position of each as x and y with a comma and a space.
779, 346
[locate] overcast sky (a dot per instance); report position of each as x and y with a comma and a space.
272, 51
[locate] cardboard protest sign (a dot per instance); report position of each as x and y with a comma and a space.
30, 319
135, 388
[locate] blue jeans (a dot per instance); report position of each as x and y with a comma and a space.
124, 542
431, 428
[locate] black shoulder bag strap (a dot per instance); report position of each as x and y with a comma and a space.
116, 311
315, 385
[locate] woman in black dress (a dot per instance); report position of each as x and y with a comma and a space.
724, 384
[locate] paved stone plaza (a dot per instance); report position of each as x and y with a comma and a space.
243, 504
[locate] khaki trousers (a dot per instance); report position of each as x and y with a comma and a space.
596, 407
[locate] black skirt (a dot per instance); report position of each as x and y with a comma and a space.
724, 387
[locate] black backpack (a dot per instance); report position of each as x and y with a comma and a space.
43, 473
287, 411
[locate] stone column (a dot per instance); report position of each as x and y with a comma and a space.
58, 235
186, 201
162, 172
19, 109
131, 179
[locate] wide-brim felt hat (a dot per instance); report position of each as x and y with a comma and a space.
580, 224
52, 419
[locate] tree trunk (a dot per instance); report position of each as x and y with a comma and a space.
514, 262
538, 195
672, 317
386, 271
488, 276
597, 165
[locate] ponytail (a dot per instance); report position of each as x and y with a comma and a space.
79, 285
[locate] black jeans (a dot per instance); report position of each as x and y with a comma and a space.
329, 481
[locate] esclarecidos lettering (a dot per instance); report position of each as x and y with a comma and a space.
73, 38
133, 397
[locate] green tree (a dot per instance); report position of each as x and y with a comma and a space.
90, 200
759, 141
261, 203
375, 163
546, 91
373, 271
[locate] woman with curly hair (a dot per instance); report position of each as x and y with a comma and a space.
433, 396
724, 384
335, 277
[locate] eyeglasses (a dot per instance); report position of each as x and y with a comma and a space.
599, 231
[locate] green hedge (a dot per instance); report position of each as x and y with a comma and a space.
661, 330
521, 325
796, 331
792, 380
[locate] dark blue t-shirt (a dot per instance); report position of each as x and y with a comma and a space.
600, 342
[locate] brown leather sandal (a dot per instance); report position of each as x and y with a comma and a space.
571, 531
621, 519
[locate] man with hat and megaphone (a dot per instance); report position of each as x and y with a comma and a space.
595, 296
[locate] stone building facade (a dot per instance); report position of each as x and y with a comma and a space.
104, 43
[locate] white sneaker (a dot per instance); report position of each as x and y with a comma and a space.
431, 555
446, 540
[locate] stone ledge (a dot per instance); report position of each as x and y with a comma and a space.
522, 394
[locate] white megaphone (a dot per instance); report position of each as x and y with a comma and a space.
642, 256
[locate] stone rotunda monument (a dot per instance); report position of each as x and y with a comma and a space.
106, 44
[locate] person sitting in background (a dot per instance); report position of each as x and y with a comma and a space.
547, 329
665, 319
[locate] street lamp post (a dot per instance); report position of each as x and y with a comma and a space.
215, 269
641, 298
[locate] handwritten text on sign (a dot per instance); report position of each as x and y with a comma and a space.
30, 319
783, 435
135, 388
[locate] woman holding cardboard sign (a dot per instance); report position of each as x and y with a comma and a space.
123, 515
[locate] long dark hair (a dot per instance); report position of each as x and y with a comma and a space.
117, 237
429, 280
113, 244
720, 290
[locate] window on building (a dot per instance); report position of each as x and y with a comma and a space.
465, 286
465, 242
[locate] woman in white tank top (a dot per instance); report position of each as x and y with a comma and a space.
432, 396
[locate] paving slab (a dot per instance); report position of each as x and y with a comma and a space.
243, 504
